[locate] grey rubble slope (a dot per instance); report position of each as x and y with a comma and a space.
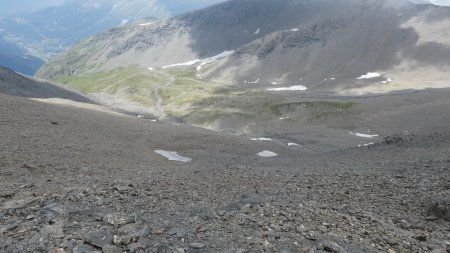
15, 84
96, 176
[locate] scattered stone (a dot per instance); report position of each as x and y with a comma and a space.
118, 219
134, 247
130, 229
84, 248
111, 249
332, 247
159, 231
122, 188
60, 250
197, 245
180, 250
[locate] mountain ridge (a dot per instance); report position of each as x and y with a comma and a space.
304, 43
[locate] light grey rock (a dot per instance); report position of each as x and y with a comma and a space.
84, 248
111, 249
197, 245
99, 238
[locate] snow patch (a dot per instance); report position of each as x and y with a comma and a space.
253, 82
290, 88
293, 144
366, 145
369, 75
267, 153
213, 59
189, 63
293, 30
145, 24
151, 69
257, 31
173, 156
261, 139
202, 62
387, 81
364, 135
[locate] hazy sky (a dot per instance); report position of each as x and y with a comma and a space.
441, 2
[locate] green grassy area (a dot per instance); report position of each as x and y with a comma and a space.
203, 103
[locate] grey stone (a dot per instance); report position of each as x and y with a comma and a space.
145, 231
99, 238
84, 248
134, 247
17, 203
440, 206
333, 247
197, 245
111, 249
118, 219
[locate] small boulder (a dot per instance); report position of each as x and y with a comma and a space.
440, 206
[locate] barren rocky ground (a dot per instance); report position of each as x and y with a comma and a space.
80, 181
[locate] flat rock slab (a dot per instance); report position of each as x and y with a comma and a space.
17, 203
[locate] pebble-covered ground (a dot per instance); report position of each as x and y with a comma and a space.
83, 182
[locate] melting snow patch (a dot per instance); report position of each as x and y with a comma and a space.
213, 59
369, 75
364, 135
293, 144
258, 31
151, 69
200, 61
189, 63
261, 139
274, 83
173, 156
145, 24
387, 81
253, 82
294, 30
266, 153
366, 145
295, 87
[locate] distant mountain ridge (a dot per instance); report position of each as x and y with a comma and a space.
46, 32
320, 44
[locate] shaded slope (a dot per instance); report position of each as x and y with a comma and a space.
397, 41
14, 84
